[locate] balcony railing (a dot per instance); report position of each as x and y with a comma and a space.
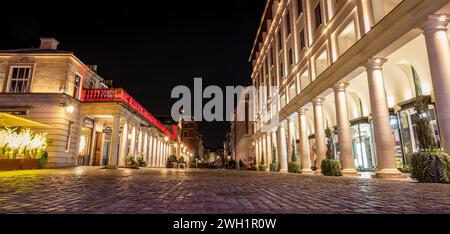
120, 95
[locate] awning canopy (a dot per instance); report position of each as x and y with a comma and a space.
7, 120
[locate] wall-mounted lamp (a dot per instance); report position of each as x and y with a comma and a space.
70, 109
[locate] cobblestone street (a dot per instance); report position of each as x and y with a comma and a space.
94, 190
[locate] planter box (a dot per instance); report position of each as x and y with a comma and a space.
9, 164
29, 164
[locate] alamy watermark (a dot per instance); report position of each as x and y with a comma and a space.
237, 103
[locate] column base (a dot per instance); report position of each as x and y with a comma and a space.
389, 174
307, 172
283, 171
318, 172
350, 173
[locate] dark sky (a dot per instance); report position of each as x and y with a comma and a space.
148, 48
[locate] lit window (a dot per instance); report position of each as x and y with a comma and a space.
19, 79
304, 80
76, 86
288, 23
290, 57
280, 40
283, 101
318, 15
292, 91
321, 63
346, 39
302, 39
91, 84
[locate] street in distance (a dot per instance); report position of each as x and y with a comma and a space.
226, 224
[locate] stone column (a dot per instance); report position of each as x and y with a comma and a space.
114, 155
269, 158
304, 145
384, 141
292, 138
344, 131
319, 130
133, 141
150, 150
282, 151
289, 139
435, 31
124, 145
275, 145
140, 141
154, 151
145, 146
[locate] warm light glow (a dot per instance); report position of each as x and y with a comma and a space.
70, 109
25, 142
166, 139
176, 145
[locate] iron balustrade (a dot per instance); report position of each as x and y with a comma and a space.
120, 95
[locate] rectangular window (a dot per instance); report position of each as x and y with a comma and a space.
76, 86
299, 7
302, 39
274, 53
281, 70
288, 23
321, 63
280, 41
318, 15
346, 38
19, 81
69, 136
292, 91
304, 80
291, 57
91, 84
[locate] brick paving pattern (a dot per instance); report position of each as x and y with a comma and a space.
94, 190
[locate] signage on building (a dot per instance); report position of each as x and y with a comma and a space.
89, 123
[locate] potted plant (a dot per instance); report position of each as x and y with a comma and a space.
43, 158
262, 165
274, 166
171, 161
294, 165
430, 164
254, 165
330, 166
131, 162
140, 162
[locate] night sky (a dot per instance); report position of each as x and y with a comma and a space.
148, 49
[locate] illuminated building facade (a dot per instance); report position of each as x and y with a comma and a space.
355, 67
90, 123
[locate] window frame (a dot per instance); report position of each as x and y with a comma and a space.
77, 95
10, 77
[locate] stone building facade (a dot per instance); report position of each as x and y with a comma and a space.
355, 67
90, 124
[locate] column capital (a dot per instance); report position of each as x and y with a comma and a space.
318, 101
436, 22
341, 86
302, 111
283, 124
375, 63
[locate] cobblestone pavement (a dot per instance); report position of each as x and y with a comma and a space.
94, 190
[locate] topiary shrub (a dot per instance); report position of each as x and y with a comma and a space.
262, 165
430, 165
330, 166
254, 165
275, 166
294, 167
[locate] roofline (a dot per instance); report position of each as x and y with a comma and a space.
67, 54
266, 8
